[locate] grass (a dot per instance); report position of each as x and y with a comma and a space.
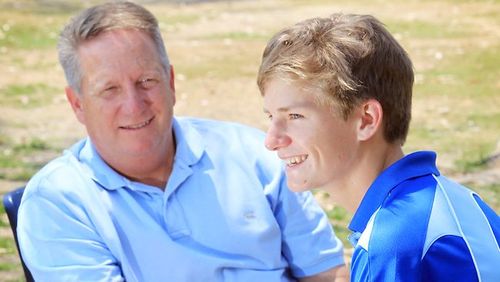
490, 193
27, 95
17, 160
236, 35
7, 266
339, 218
3, 217
179, 19
224, 60
471, 73
7, 246
416, 29
16, 35
29, 30
474, 158
463, 88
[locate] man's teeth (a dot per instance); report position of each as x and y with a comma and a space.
296, 160
137, 126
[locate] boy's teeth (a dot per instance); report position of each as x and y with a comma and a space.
296, 160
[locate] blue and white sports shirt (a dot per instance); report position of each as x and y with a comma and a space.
415, 225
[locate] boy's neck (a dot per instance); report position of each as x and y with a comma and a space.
372, 161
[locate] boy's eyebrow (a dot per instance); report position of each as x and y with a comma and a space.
282, 109
304, 105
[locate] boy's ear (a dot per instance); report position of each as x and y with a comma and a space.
74, 100
370, 119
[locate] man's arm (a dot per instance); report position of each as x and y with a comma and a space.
58, 244
309, 242
336, 274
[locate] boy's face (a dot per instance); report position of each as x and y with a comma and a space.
317, 145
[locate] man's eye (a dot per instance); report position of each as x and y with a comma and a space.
148, 83
109, 91
295, 116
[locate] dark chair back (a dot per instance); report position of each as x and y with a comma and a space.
11, 201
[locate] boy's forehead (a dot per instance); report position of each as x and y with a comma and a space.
287, 84
283, 95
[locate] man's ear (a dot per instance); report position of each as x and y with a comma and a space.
172, 82
370, 122
74, 100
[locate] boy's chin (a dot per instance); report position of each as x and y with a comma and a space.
297, 188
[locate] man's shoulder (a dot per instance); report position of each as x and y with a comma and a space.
225, 135
60, 165
221, 139
63, 172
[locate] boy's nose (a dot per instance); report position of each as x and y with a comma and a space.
276, 139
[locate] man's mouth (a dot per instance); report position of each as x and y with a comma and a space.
137, 126
295, 160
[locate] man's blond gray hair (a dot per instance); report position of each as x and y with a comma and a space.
98, 19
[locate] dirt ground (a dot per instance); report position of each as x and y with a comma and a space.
215, 76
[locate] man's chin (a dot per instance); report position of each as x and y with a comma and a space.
137, 150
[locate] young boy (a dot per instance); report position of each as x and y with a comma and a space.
338, 92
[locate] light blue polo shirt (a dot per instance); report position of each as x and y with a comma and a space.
415, 225
226, 215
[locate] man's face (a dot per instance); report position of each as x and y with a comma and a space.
316, 144
127, 96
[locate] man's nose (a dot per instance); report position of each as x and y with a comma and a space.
135, 100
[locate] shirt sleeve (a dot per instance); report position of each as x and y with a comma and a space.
58, 241
448, 259
309, 242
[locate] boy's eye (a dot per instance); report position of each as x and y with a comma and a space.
295, 116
